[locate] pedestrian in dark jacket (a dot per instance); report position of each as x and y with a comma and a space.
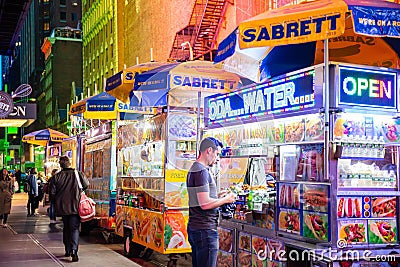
32, 193
65, 193
6, 192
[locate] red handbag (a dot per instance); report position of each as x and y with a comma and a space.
87, 206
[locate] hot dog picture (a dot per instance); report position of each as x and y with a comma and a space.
382, 231
341, 203
282, 195
349, 207
384, 207
289, 196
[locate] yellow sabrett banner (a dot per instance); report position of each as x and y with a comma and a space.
313, 21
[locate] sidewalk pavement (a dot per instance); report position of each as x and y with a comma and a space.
30, 241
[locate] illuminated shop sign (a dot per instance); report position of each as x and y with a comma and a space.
367, 88
289, 94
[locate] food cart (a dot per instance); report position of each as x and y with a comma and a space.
94, 152
155, 154
336, 194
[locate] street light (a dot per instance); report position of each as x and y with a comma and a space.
188, 45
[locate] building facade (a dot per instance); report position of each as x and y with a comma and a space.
63, 68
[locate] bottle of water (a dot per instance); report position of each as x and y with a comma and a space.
392, 179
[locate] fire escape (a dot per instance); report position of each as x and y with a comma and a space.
199, 37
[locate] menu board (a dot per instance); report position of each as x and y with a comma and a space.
304, 210
367, 219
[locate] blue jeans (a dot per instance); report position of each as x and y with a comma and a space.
52, 212
204, 247
71, 232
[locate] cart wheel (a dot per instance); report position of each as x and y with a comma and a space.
171, 263
131, 249
147, 254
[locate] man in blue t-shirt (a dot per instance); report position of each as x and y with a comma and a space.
203, 205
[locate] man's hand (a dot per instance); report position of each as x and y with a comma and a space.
223, 193
229, 198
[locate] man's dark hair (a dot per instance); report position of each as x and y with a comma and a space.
33, 171
209, 142
64, 162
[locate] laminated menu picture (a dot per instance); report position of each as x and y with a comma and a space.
315, 197
314, 129
346, 126
244, 241
275, 132
225, 239
315, 225
181, 126
352, 231
382, 231
244, 259
289, 157
258, 261
383, 207
311, 164
289, 221
274, 264
351, 207
289, 195
258, 245
294, 131
224, 259
275, 249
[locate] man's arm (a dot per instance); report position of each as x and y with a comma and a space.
207, 203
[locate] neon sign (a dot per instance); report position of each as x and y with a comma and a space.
367, 88
282, 96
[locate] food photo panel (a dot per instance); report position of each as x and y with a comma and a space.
244, 241
315, 197
224, 259
383, 207
275, 250
244, 259
316, 226
352, 207
289, 221
289, 195
352, 232
225, 239
382, 231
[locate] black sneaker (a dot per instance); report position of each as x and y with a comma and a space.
74, 256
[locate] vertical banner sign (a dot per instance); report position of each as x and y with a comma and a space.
367, 88
282, 96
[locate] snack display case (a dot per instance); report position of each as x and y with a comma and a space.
154, 156
330, 175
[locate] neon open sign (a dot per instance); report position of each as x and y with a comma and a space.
366, 88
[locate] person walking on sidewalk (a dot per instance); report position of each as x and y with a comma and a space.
52, 213
6, 192
65, 193
204, 203
32, 192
